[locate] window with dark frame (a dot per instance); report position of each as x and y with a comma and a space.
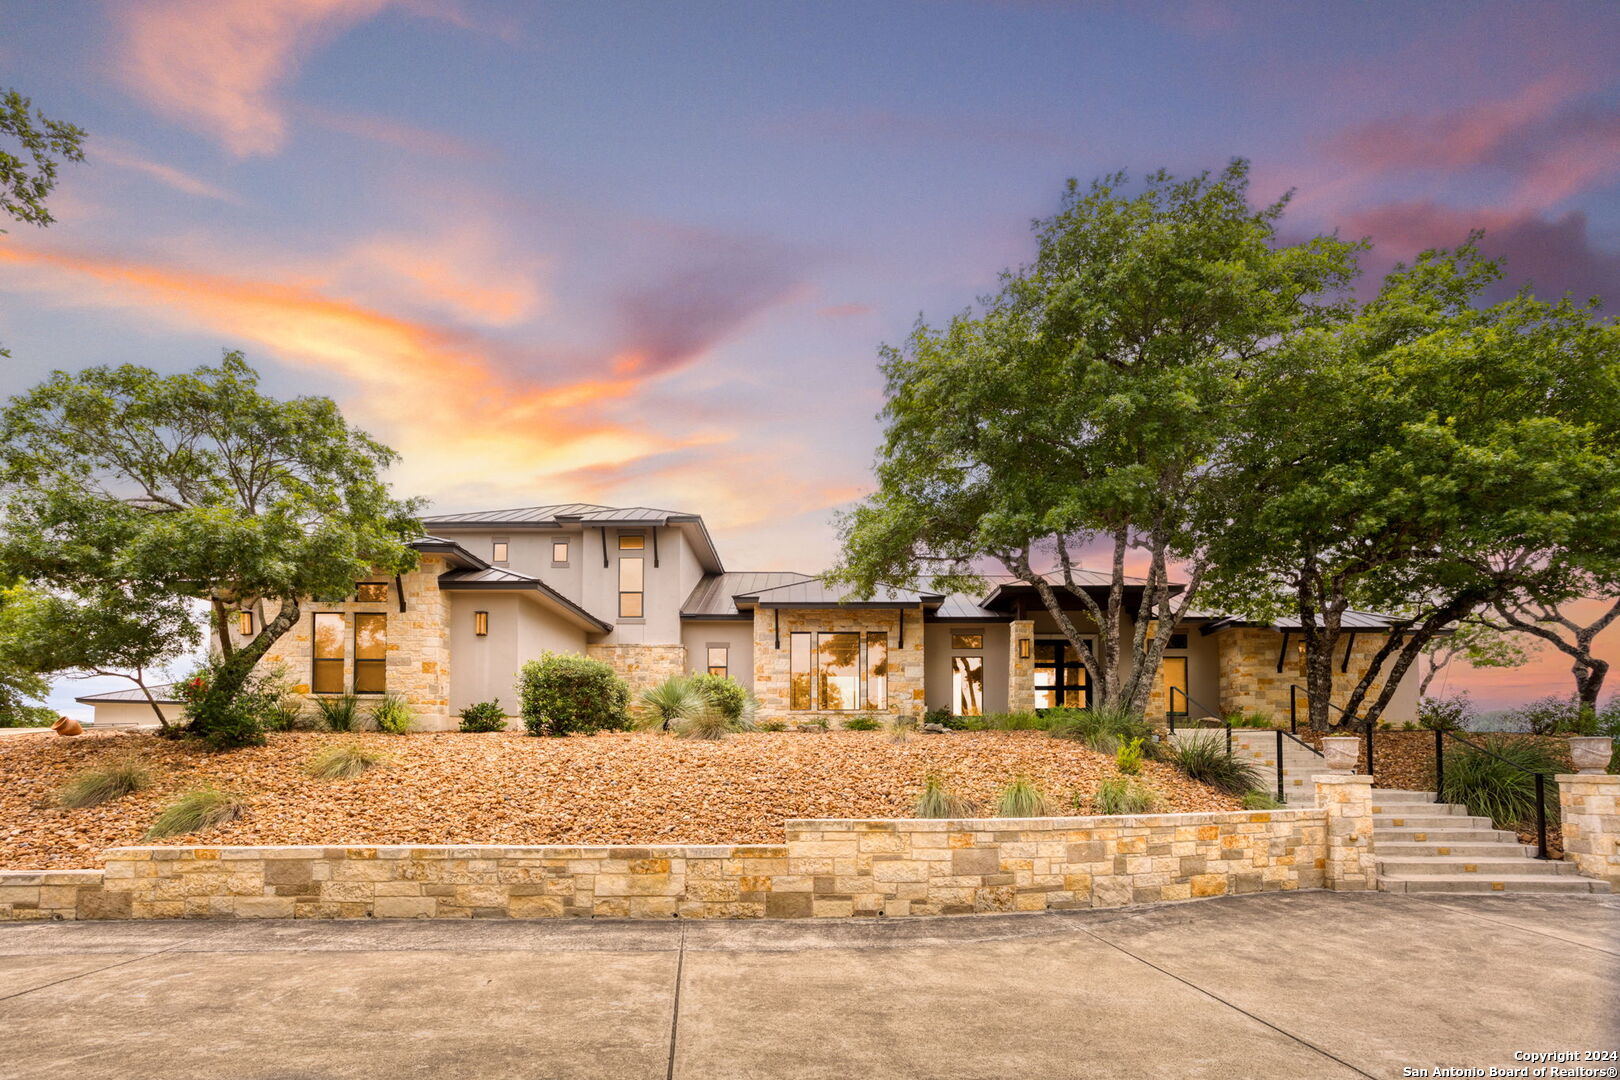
370, 653
371, 592
799, 671
719, 660
967, 685
559, 553
326, 676
877, 669
244, 623
498, 551
974, 640
632, 579
481, 623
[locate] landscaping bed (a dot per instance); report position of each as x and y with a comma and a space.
442, 788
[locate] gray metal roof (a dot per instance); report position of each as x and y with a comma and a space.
1351, 620
712, 599
163, 693
561, 514
962, 606
493, 578
817, 593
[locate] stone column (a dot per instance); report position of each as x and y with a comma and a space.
1347, 801
1021, 665
1591, 816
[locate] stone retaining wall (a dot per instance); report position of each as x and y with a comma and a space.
834, 868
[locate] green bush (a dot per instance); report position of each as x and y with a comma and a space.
565, 694
1122, 795
204, 808
343, 761
1021, 799
1492, 788
1452, 713
901, 727
92, 787
266, 702
1249, 720
1102, 729
484, 716
728, 695
1550, 715
338, 712
1208, 761
771, 725
1129, 757
393, 715
1015, 721
1261, 800
942, 717
938, 801
861, 723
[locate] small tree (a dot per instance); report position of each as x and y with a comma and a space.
1547, 622
565, 694
196, 486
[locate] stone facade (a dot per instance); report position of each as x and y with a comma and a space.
772, 665
641, 666
826, 869
1021, 665
1347, 802
418, 656
1590, 805
1250, 681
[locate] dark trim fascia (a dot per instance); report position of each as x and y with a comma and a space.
836, 605
708, 617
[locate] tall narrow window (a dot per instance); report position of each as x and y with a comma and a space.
371, 592
498, 552
327, 676
799, 671
719, 660
838, 685
244, 623
632, 582
877, 670
481, 623
559, 553
967, 685
370, 653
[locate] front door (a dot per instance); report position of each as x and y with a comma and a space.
1060, 677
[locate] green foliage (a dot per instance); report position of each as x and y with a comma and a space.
1261, 800
338, 712
815, 723
709, 724
942, 717
1550, 715
677, 698
1103, 728
565, 694
771, 725
1015, 721
265, 702
343, 760
484, 716
1249, 720
936, 800
1021, 799
1122, 795
47, 143
1455, 712
393, 715
1491, 787
1207, 760
92, 787
728, 695
195, 811
1129, 756
861, 723
901, 728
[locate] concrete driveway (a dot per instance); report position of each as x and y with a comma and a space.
1303, 985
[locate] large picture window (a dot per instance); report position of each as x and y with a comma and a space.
799, 671
967, 685
1060, 677
327, 676
370, 653
877, 670
838, 671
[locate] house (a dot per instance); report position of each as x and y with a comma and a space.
645, 590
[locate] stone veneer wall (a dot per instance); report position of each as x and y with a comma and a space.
641, 666
1590, 805
771, 664
1250, 681
418, 666
1020, 670
827, 869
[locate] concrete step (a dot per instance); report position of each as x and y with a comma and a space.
1429, 820
1459, 834
1512, 864
1472, 850
1490, 883
1396, 795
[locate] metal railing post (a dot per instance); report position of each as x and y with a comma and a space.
1439, 766
1229, 739
1541, 817
1293, 709
1370, 747
1280, 797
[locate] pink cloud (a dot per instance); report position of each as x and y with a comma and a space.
417, 140
115, 153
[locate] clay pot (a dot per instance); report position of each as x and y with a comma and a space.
66, 725
1342, 752
1591, 753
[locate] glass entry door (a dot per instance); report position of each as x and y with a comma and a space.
1060, 677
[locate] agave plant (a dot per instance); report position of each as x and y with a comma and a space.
669, 704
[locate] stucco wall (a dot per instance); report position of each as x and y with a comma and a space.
114, 714
520, 629
737, 636
772, 664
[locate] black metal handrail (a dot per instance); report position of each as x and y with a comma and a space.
1541, 783
1294, 690
1281, 735
1171, 714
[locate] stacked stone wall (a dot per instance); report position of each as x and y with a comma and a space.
641, 666
772, 664
1250, 681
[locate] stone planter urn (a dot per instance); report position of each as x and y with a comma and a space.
1591, 753
68, 726
1342, 752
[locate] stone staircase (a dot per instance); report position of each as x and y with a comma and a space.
1422, 846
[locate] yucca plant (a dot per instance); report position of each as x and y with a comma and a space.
340, 712
1122, 795
393, 715
1021, 799
203, 808
672, 702
708, 724
1208, 761
1490, 787
342, 761
938, 801
92, 787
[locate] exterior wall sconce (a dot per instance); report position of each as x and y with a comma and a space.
1023, 648
481, 623
244, 623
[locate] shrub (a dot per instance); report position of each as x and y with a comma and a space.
1122, 795
1261, 800
1208, 761
1129, 757
1492, 788
204, 808
1102, 728
1015, 721
340, 712
728, 695
771, 725
942, 717
393, 714
343, 761
901, 728
484, 716
565, 694
861, 723
96, 786
938, 801
1021, 799
266, 702
707, 723
676, 699
1545, 716
1248, 720
1452, 713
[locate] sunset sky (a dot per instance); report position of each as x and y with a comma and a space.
645, 253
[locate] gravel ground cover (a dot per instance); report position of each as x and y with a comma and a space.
506, 788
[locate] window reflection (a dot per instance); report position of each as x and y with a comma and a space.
967, 685
838, 659
877, 670
799, 670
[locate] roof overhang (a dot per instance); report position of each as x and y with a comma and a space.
548, 597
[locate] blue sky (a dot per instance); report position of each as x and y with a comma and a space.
646, 253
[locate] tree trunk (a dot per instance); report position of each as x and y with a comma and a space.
233, 671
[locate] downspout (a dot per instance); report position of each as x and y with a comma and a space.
603, 530
1344, 665
399, 589
776, 617
1282, 653
655, 546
